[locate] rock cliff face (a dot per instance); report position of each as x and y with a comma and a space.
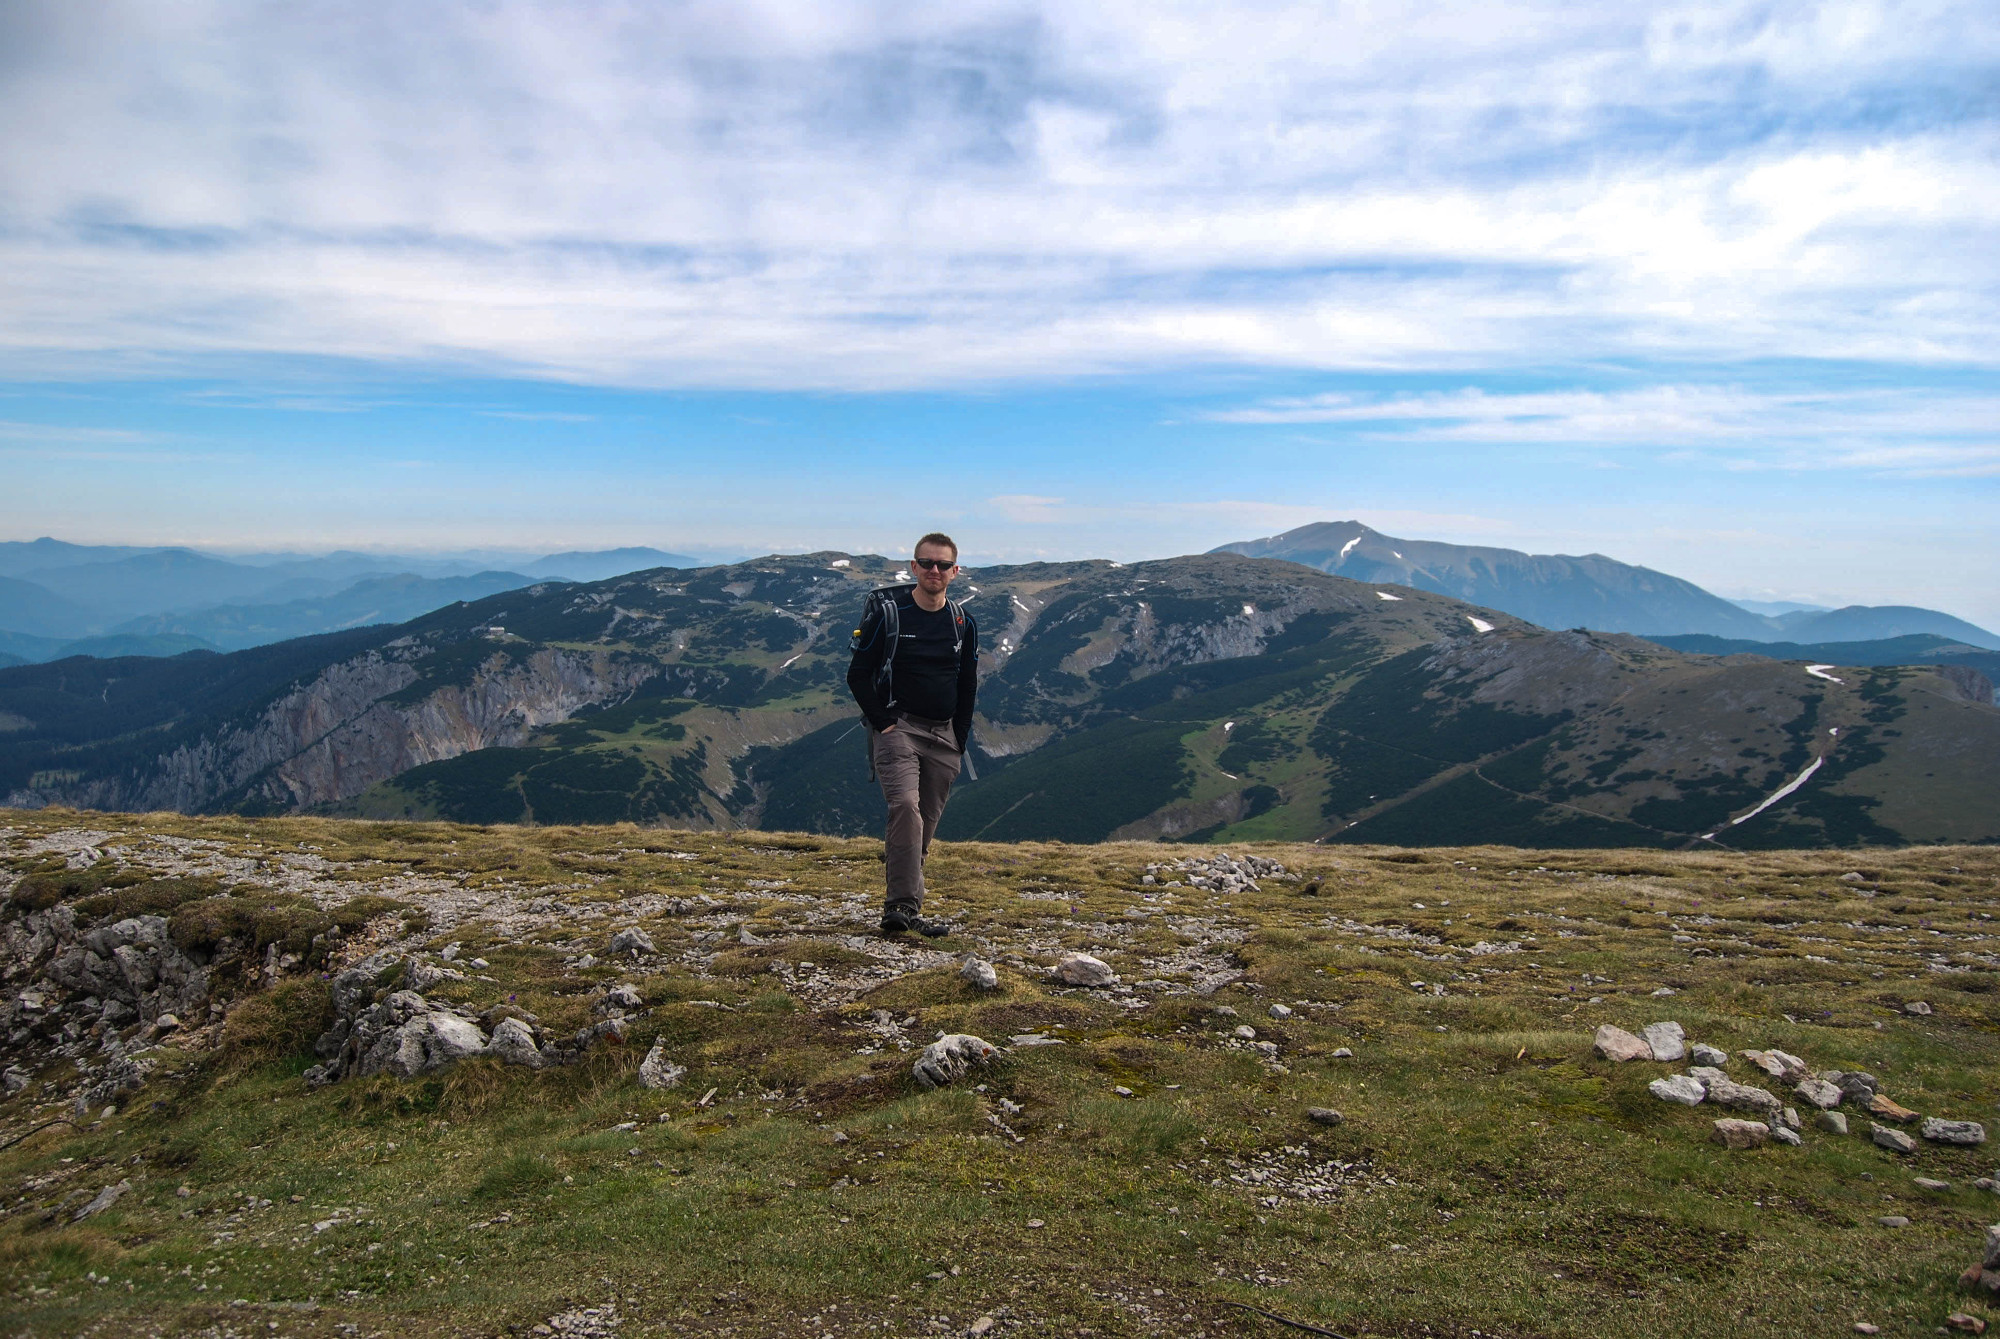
350, 726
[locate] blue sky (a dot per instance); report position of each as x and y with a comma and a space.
1710, 288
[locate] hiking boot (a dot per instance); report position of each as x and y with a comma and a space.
900, 922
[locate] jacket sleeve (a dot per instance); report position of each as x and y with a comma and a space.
862, 668
968, 683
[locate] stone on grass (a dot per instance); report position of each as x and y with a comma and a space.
1780, 1065
1726, 1092
1892, 1139
1324, 1116
106, 1197
1342, 1053
1703, 1054
1679, 1088
1917, 1007
514, 1043
1786, 1136
1666, 1041
1245, 1031
1790, 1119
946, 1060
1280, 1011
1833, 1122
657, 1071
621, 997
1616, 1044
1929, 1183
1080, 969
1819, 1093
1961, 1320
979, 974
1952, 1131
1893, 1220
1888, 1109
1858, 1085
1731, 1133
633, 940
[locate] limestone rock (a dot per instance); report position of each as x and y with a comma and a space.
1731, 1133
1280, 1011
1786, 1135
1726, 1092
1789, 1118
1666, 1040
1703, 1054
1887, 1109
979, 974
1892, 1139
1680, 1088
1952, 1131
1857, 1085
514, 1042
104, 1199
946, 1060
1783, 1067
1080, 969
632, 940
1917, 1007
1616, 1044
657, 1071
1930, 1183
621, 998
1831, 1121
1819, 1093
1324, 1116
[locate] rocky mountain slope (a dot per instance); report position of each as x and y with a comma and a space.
1214, 697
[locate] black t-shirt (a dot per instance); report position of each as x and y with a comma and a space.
926, 666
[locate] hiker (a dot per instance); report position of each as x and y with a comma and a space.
914, 673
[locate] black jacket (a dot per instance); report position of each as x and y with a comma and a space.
864, 671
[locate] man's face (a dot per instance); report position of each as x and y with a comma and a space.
934, 579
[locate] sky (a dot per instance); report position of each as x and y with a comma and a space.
1710, 288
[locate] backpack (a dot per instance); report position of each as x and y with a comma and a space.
887, 616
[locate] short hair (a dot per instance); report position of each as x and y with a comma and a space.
938, 541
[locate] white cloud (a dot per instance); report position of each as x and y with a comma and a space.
1895, 430
871, 196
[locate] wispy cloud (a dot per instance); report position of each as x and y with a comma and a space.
800, 195
1894, 430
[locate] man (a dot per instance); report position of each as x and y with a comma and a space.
915, 672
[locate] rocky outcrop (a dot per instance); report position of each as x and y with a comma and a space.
348, 728
65, 980
382, 1026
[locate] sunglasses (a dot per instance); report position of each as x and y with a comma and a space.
933, 564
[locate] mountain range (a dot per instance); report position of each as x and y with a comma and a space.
59, 599
1207, 698
1591, 591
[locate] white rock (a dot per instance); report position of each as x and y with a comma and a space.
946, 1060
1703, 1054
1952, 1131
1741, 1133
1280, 1011
1667, 1040
1819, 1093
1080, 969
657, 1071
1891, 1138
1786, 1135
514, 1042
979, 974
632, 940
1831, 1121
1680, 1088
105, 1198
1615, 1043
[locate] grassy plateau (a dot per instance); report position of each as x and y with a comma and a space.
1155, 1173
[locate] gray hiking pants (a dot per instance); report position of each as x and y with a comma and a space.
916, 763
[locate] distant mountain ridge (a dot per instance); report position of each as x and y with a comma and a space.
1587, 591
59, 599
1205, 698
